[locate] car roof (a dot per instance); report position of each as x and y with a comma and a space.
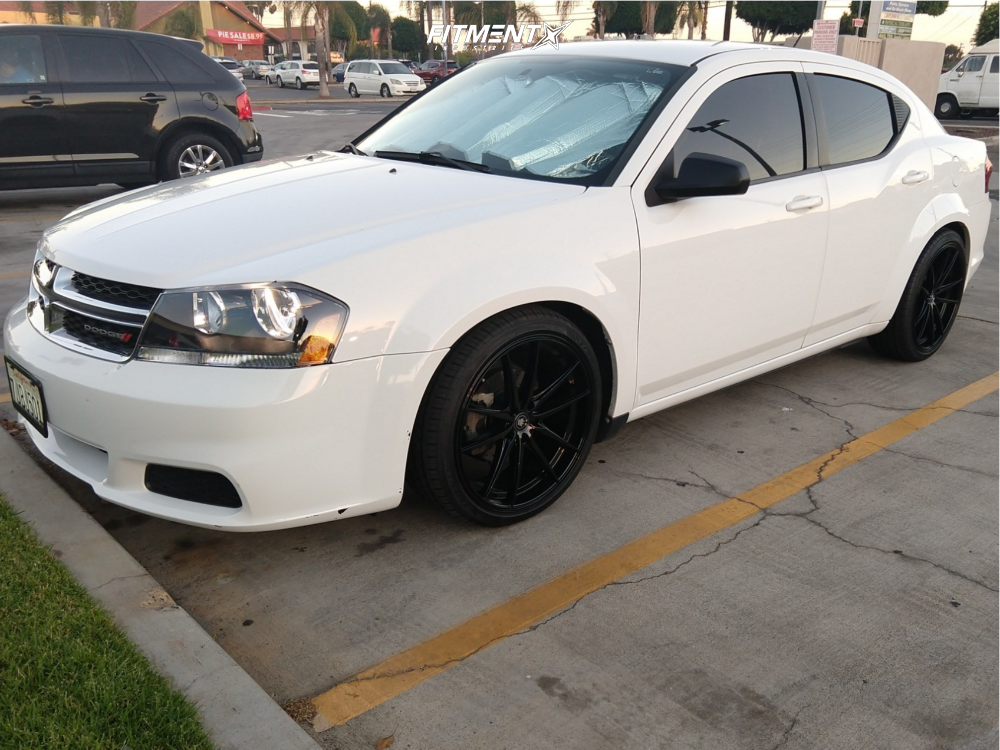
99, 31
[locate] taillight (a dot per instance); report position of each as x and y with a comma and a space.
243, 110
989, 173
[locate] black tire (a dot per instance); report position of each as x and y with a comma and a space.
434, 79
133, 185
384, 92
930, 302
298, 84
267, 80
946, 107
480, 449
281, 84
170, 166
353, 91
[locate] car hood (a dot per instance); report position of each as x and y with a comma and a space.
281, 219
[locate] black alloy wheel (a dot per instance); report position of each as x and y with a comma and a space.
510, 418
930, 302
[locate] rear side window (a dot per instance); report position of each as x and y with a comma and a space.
101, 59
21, 59
175, 66
995, 65
755, 120
859, 121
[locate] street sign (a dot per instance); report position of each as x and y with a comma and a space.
858, 22
825, 36
896, 19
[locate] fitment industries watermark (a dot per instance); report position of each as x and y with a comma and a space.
496, 36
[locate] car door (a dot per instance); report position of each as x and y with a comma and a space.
879, 175
989, 96
33, 134
729, 282
116, 105
970, 81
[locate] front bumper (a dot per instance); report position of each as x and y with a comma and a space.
301, 446
403, 89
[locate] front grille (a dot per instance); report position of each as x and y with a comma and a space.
206, 487
100, 334
115, 292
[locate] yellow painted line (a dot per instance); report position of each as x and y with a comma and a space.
18, 275
405, 670
4, 398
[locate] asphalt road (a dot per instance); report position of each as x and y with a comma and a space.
860, 612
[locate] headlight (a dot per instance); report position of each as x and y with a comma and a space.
394, 82
261, 325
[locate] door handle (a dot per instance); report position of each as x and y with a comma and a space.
803, 202
37, 101
152, 98
914, 177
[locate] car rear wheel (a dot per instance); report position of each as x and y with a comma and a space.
434, 79
385, 92
509, 418
353, 91
930, 302
194, 154
946, 107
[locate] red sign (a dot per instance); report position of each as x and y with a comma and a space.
236, 37
859, 22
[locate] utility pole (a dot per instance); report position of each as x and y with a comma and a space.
820, 9
728, 21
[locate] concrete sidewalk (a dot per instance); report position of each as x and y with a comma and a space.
235, 710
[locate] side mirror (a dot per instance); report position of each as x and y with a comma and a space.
701, 175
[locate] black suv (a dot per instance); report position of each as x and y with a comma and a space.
81, 106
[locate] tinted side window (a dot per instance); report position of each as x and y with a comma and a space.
859, 120
175, 67
975, 64
755, 120
101, 59
995, 65
21, 59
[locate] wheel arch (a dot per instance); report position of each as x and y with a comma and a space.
184, 127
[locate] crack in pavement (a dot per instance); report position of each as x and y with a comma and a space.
788, 732
941, 463
119, 578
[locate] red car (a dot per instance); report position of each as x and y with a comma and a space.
433, 71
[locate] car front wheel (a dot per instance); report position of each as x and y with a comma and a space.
930, 302
385, 92
298, 84
194, 154
509, 418
946, 107
281, 84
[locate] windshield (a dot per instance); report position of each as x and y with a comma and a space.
556, 117
394, 68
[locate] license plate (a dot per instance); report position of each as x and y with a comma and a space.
26, 396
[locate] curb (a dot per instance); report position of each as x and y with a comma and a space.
235, 710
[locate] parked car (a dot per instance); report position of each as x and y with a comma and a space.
386, 78
223, 58
233, 67
765, 204
85, 106
338, 71
973, 85
294, 73
255, 69
433, 71
411, 64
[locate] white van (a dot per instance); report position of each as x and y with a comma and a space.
972, 85
384, 77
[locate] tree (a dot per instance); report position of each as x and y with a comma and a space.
378, 18
986, 29
408, 36
627, 19
649, 18
692, 15
185, 22
344, 29
952, 54
259, 9
602, 12
768, 19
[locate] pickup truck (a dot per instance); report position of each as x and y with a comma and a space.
433, 71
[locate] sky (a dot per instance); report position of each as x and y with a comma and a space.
955, 26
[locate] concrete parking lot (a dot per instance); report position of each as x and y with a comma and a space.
858, 609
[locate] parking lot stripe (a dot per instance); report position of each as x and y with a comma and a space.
4, 398
47, 217
409, 668
18, 275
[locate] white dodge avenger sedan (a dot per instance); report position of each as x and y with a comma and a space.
622, 227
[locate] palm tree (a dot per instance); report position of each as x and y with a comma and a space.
379, 18
649, 19
691, 14
603, 11
320, 14
119, 15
